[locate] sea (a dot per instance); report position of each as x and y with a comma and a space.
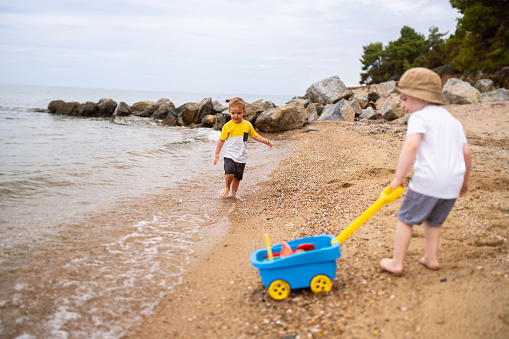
99, 217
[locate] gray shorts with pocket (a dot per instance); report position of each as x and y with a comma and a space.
233, 167
417, 208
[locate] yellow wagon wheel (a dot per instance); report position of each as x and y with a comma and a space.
320, 283
279, 289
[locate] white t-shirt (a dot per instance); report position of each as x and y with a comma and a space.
439, 167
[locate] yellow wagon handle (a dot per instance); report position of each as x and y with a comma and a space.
387, 196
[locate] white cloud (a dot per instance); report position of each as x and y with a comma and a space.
279, 47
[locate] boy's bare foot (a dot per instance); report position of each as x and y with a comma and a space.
429, 263
225, 192
388, 265
235, 195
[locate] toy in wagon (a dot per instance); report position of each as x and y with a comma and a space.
311, 261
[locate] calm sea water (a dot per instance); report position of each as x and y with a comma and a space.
99, 216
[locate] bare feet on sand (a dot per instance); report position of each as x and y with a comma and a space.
432, 264
389, 266
235, 195
225, 192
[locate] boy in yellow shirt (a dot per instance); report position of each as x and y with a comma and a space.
234, 138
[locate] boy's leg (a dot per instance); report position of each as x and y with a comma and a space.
235, 187
401, 242
432, 236
228, 178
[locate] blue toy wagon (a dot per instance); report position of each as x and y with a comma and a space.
315, 265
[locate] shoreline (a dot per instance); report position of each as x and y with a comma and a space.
332, 176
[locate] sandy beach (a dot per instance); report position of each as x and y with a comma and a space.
333, 175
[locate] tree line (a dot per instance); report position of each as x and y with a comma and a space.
480, 42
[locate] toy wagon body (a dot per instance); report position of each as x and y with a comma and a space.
314, 269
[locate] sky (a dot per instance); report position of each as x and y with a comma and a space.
276, 47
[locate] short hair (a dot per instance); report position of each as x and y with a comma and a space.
237, 102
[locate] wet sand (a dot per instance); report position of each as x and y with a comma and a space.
333, 175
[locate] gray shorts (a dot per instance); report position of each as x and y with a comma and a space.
233, 167
417, 208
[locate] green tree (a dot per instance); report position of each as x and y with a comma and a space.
372, 60
389, 63
481, 40
435, 48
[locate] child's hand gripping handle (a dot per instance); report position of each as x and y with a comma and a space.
387, 196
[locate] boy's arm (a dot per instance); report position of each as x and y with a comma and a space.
406, 159
261, 139
220, 144
467, 154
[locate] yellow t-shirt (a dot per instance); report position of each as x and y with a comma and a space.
235, 139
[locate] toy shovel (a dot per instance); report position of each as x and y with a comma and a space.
387, 196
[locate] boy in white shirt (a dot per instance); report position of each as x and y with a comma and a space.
234, 137
443, 160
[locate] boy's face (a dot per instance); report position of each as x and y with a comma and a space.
237, 114
412, 104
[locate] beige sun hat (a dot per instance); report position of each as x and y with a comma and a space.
421, 83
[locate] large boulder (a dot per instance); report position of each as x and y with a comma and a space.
368, 113
280, 119
123, 109
211, 120
392, 109
484, 85
377, 90
328, 91
459, 92
494, 96
253, 111
139, 107
62, 107
106, 107
362, 98
193, 113
163, 111
340, 111
312, 112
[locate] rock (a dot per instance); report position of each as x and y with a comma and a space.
106, 107
170, 121
164, 101
381, 101
123, 110
341, 111
377, 90
356, 107
501, 77
362, 97
164, 111
139, 107
280, 119
62, 107
484, 85
328, 91
392, 109
459, 92
312, 112
211, 120
88, 109
494, 96
253, 111
193, 113
368, 113
303, 102
218, 108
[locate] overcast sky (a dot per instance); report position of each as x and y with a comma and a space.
222, 46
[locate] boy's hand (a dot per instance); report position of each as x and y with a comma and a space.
397, 182
269, 143
215, 159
